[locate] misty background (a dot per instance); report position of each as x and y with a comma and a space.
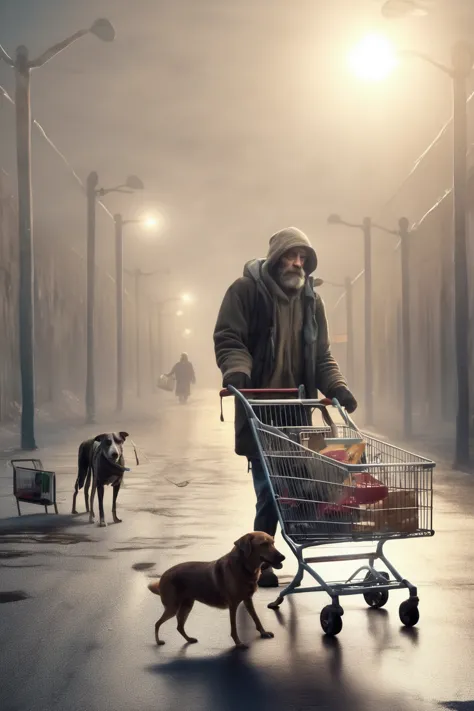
241, 118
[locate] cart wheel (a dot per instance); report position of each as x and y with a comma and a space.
376, 598
331, 621
275, 604
409, 613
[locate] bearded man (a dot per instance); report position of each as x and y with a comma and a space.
272, 332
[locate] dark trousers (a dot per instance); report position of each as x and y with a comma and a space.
266, 518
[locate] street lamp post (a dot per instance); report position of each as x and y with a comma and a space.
462, 57
369, 375
406, 331
349, 329
462, 60
132, 183
347, 286
137, 275
118, 221
119, 225
403, 233
22, 67
366, 228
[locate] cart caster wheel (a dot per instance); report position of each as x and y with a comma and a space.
275, 604
331, 621
409, 613
376, 598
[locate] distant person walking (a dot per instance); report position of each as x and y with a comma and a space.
183, 372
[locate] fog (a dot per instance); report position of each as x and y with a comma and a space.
240, 118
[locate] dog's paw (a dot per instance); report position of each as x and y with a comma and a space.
266, 635
117, 519
102, 524
74, 511
160, 642
192, 640
91, 519
241, 645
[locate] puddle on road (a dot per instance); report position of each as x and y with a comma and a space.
148, 547
168, 513
7, 555
143, 566
13, 596
54, 537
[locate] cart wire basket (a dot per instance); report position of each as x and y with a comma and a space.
321, 500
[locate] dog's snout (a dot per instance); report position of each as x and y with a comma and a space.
277, 559
114, 455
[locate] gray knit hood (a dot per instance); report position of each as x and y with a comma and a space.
287, 239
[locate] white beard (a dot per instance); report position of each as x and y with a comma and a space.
291, 280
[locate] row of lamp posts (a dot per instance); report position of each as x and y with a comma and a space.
462, 60
403, 233
22, 67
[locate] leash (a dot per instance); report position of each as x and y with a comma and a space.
135, 452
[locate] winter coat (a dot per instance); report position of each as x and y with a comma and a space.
244, 342
183, 371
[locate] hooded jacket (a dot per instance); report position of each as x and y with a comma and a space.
244, 335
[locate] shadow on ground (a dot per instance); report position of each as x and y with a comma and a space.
232, 682
296, 681
52, 524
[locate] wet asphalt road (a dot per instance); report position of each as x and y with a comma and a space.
77, 620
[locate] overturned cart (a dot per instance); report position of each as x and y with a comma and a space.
333, 484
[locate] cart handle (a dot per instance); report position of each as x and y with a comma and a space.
260, 391
231, 391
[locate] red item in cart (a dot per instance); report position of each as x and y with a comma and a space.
364, 489
338, 453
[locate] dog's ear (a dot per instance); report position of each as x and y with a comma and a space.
244, 544
123, 436
101, 437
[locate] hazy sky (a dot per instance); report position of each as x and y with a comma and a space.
240, 116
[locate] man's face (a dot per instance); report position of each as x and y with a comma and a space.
291, 273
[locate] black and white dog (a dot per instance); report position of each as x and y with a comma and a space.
100, 459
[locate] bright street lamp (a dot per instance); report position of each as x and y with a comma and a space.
22, 66
462, 60
373, 58
150, 222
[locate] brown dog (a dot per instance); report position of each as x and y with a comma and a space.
224, 583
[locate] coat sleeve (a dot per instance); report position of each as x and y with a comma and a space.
328, 374
231, 332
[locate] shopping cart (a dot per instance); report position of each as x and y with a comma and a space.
387, 495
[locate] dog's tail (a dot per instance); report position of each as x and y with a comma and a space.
83, 462
155, 587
